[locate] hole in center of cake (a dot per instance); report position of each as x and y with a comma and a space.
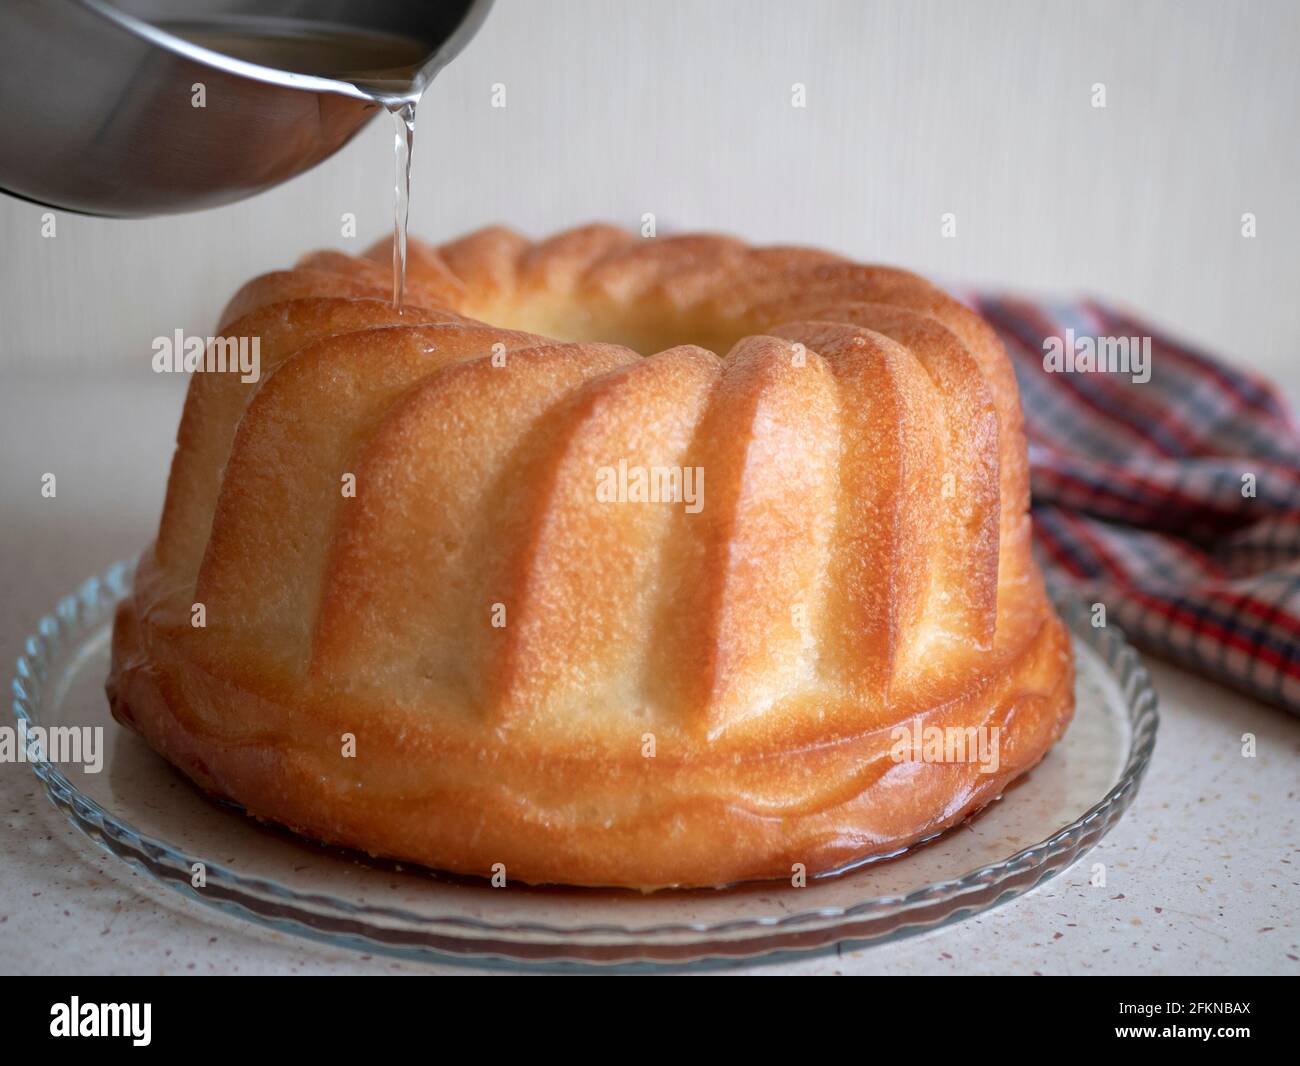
644, 329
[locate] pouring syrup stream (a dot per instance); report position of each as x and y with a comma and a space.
404, 116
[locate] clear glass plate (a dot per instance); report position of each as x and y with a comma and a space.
141, 810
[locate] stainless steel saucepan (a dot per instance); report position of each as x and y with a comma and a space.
101, 110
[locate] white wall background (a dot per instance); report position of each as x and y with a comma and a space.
682, 107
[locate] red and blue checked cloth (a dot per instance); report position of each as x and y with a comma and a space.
1142, 496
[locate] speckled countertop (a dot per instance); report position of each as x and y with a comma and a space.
1203, 872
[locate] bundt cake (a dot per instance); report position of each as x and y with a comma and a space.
607, 561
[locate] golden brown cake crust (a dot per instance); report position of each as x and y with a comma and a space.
584, 690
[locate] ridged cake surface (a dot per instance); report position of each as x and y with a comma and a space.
619, 561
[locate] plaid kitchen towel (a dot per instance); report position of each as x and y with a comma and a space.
1166, 486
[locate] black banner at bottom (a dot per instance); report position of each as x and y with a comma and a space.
346, 1014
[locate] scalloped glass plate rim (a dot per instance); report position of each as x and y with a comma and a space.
98, 595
